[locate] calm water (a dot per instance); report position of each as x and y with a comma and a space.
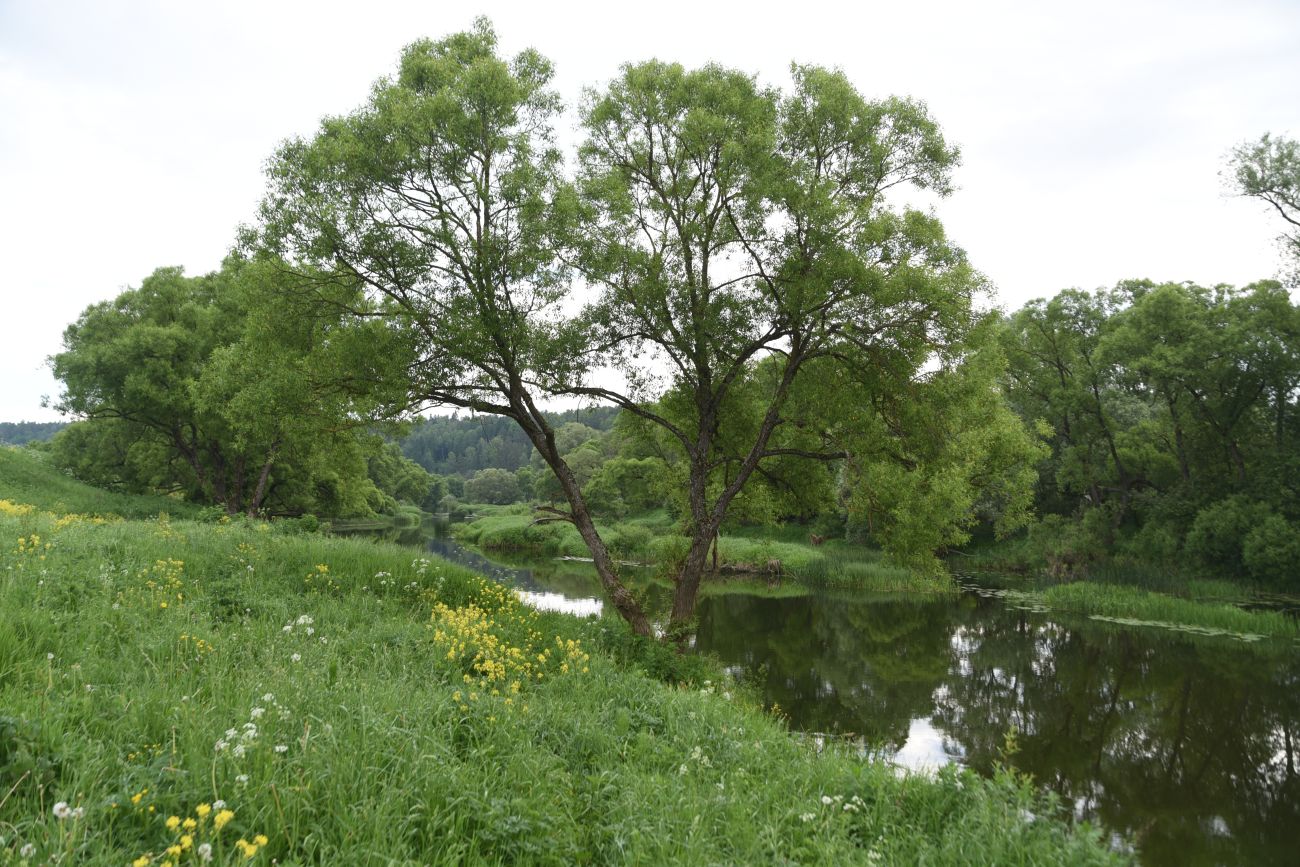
1183, 746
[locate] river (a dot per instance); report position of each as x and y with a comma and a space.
1183, 746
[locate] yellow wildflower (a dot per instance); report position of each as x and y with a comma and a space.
142, 861
202, 810
173, 822
221, 819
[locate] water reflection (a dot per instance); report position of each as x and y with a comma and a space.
1185, 746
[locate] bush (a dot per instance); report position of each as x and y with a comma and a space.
1219, 532
1271, 552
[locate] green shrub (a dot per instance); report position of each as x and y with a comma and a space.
1219, 532
1271, 553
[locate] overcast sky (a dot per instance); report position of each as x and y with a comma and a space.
133, 134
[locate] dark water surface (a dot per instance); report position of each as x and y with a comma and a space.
1183, 746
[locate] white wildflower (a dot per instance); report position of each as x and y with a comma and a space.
242, 779
807, 817
281, 748
297, 657
218, 804
826, 800
256, 712
28, 850
205, 852
62, 810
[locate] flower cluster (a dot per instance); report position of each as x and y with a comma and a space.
200, 647
162, 582
319, 580
11, 509
236, 742
63, 812
74, 518
496, 647
198, 838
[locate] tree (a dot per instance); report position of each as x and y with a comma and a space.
1269, 170
722, 225
492, 485
180, 388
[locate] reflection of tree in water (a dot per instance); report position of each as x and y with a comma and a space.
1187, 745
866, 668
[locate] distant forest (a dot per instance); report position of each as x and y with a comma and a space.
17, 433
458, 445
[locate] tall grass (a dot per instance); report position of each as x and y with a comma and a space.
1159, 609
352, 704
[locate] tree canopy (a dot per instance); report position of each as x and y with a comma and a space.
739, 244
184, 384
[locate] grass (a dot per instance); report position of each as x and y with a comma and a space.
350, 704
27, 477
1132, 606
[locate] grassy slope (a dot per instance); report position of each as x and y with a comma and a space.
372, 748
26, 477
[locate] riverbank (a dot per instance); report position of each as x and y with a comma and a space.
769, 552
1136, 593
351, 703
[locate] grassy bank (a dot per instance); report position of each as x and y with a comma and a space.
651, 539
1131, 606
349, 704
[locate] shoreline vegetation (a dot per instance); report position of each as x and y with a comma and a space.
347, 701
771, 553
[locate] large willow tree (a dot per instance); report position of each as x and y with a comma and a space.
724, 247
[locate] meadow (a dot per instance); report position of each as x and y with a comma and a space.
183, 692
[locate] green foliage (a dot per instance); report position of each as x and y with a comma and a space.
1218, 534
438, 218
186, 387
32, 477
464, 445
402, 479
493, 485
1172, 415
1271, 553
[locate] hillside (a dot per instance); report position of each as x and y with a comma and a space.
173, 688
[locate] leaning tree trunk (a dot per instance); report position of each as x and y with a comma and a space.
580, 516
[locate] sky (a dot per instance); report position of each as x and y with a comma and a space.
133, 135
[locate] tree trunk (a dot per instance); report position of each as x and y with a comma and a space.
259, 492
543, 438
688, 583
